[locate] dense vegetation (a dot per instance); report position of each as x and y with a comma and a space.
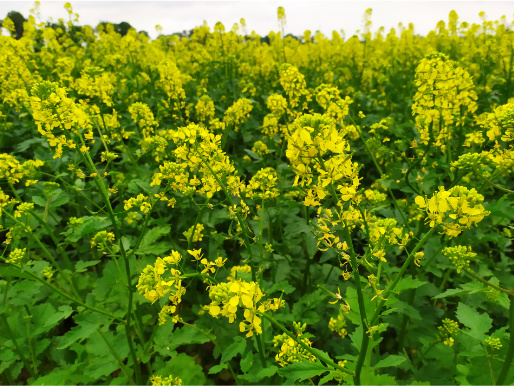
228, 209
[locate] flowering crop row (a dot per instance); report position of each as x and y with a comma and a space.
226, 208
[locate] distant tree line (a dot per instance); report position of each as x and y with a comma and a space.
18, 20
121, 28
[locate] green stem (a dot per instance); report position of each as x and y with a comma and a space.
400, 274
510, 352
116, 357
49, 256
325, 359
105, 196
215, 342
360, 298
498, 288
493, 184
17, 347
395, 203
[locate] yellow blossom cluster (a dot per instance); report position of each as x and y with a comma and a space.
13, 171
315, 145
289, 350
59, 119
455, 209
160, 279
227, 298
460, 256
447, 331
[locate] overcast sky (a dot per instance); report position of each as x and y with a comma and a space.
261, 15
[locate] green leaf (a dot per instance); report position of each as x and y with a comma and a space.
479, 324
135, 186
216, 369
408, 282
89, 225
81, 266
237, 347
246, 362
148, 246
187, 335
390, 361
59, 201
281, 286
38, 200
62, 313
267, 372
302, 370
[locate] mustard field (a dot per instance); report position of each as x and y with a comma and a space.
221, 207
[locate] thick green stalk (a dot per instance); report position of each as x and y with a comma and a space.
510, 352
400, 274
488, 283
103, 192
116, 356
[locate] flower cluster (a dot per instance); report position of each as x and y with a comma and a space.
58, 117
315, 144
338, 325
263, 185
447, 331
289, 349
444, 92
227, 298
13, 171
455, 209
160, 279
460, 256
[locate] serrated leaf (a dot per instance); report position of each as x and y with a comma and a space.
38, 200
267, 372
81, 266
187, 335
89, 225
478, 323
281, 286
302, 370
237, 347
408, 282
148, 243
216, 369
246, 362
62, 313
59, 201
390, 361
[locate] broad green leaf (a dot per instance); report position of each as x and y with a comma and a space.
390, 361
148, 243
302, 370
89, 225
281, 286
237, 347
407, 283
187, 335
62, 313
267, 372
246, 361
217, 368
81, 266
38, 200
478, 323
